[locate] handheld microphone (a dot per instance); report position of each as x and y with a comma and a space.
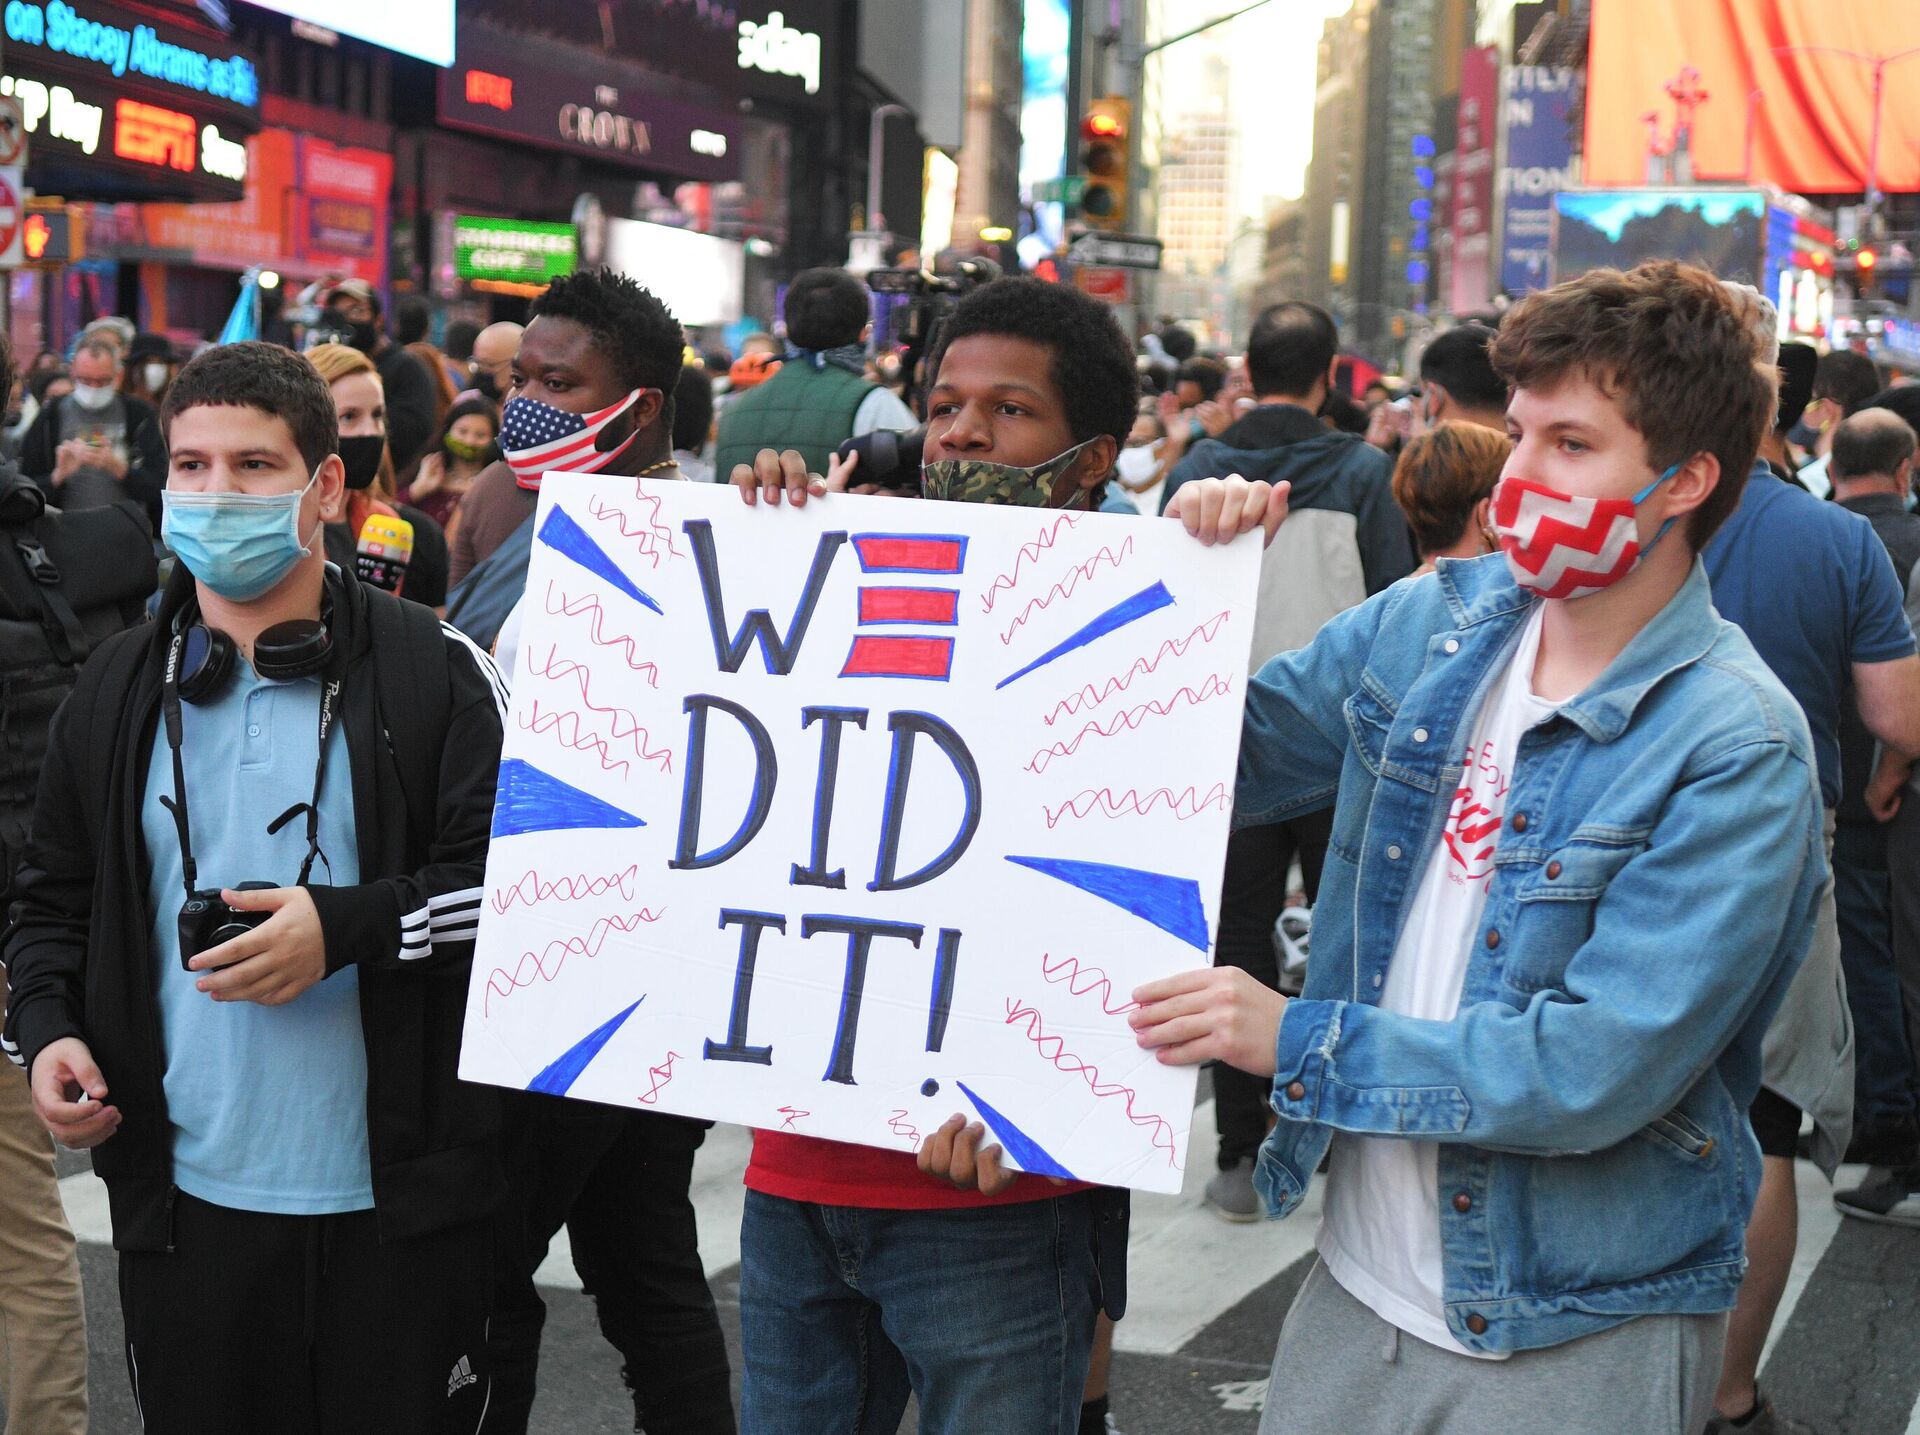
386, 546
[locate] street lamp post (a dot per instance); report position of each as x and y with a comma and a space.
876, 155
1880, 64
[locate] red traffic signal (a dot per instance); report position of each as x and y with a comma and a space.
1103, 159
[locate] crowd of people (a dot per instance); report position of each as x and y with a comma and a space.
1584, 703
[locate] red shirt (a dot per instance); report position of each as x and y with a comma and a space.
833, 1173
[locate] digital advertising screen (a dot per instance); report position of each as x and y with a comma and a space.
421, 28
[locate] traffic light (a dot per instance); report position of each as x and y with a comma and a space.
1103, 158
1864, 264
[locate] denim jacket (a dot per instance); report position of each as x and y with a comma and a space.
1653, 893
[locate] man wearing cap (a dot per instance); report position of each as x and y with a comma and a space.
354, 307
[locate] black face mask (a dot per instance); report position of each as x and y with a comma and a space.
361, 455
483, 381
363, 335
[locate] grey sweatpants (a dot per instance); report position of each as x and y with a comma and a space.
1341, 1370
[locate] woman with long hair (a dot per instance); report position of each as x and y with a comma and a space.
468, 440
360, 400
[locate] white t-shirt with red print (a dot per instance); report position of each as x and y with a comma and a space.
1380, 1234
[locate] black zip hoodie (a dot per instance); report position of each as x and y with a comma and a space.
78, 949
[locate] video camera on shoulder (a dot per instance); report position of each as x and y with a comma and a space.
932, 295
206, 920
965, 276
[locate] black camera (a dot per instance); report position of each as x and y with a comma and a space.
206, 920
962, 277
887, 459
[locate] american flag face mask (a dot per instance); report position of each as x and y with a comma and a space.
537, 438
1560, 545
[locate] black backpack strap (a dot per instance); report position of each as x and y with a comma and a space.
31, 582
415, 696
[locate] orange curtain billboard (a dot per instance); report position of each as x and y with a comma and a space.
1813, 118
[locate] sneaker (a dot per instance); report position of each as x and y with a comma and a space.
1890, 1194
1232, 1196
1763, 1419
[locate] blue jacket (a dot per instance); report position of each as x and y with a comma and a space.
1653, 894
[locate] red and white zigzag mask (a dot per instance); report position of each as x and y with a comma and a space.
1561, 545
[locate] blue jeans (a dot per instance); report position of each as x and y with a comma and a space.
986, 1315
1884, 1084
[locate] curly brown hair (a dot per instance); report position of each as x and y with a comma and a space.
1682, 355
1441, 475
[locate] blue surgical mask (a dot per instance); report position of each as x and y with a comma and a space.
238, 544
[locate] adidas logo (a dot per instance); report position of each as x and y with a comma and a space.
460, 1377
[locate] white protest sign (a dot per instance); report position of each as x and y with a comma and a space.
840, 820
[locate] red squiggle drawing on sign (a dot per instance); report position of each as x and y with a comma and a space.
1214, 687
589, 606
1082, 981
1027, 553
793, 1115
661, 1074
1163, 1138
1089, 696
535, 888
551, 721
652, 534
624, 722
898, 1124
533, 966
1079, 573
1185, 805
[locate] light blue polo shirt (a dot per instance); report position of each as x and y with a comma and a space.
268, 1104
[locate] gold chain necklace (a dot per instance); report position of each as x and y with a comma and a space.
656, 467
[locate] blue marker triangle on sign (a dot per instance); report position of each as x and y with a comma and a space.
563, 535
1023, 1148
1128, 610
566, 1068
1171, 903
529, 800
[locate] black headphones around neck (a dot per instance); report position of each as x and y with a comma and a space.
286, 651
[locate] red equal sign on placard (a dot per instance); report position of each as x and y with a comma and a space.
910, 552
910, 605
873, 656
899, 658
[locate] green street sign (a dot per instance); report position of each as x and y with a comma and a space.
1065, 190
519, 251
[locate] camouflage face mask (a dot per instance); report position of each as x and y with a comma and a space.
976, 480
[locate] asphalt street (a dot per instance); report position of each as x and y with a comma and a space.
1208, 1299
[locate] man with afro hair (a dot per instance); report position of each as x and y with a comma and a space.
978, 1289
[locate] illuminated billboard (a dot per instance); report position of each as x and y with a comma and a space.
1720, 229
421, 28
